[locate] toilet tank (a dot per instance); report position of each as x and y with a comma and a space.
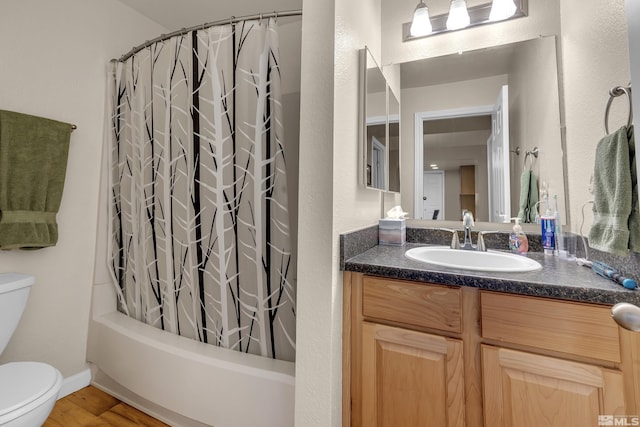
14, 291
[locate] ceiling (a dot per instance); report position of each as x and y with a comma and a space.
177, 14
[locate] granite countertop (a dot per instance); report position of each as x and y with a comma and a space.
558, 278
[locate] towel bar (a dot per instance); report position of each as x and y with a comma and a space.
614, 92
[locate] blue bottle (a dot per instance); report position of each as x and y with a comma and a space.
548, 234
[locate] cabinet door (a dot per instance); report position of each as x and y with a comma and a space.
410, 378
528, 390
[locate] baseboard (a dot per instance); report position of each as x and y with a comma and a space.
75, 382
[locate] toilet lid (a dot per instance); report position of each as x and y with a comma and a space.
24, 382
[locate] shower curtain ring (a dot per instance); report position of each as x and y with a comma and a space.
275, 16
260, 22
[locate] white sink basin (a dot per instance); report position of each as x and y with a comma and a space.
473, 260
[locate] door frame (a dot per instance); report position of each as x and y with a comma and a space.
419, 119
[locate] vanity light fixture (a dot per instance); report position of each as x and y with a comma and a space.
421, 23
460, 17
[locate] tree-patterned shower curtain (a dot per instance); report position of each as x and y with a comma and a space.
200, 230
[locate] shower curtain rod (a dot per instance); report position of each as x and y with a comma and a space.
232, 20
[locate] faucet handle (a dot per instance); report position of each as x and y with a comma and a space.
480, 245
455, 241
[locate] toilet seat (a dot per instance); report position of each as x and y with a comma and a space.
24, 386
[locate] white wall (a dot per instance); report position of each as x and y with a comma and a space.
331, 200
595, 58
54, 58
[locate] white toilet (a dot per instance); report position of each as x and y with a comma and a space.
28, 390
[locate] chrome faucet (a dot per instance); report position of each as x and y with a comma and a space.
467, 223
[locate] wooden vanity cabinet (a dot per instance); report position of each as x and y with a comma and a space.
407, 354
530, 388
419, 354
526, 389
410, 378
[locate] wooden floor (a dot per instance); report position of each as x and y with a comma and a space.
92, 407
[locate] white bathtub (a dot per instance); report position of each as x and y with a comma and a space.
184, 382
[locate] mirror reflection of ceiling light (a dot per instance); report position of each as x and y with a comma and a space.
458, 15
502, 9
421, 23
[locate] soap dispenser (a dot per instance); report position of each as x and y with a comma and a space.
518, 242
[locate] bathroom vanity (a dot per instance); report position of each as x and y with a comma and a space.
431, 346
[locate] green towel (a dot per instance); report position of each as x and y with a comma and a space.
33, 162
528, 197
634, 218
612, 194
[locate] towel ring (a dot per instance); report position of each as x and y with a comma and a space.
614, 93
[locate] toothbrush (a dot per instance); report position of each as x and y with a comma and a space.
607, 272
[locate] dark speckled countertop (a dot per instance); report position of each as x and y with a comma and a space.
558, 278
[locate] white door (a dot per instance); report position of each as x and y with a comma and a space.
433, 195
498, 160
378, 164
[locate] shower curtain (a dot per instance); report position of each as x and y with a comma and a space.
199, 223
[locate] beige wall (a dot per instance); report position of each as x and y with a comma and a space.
595, 57
54, 58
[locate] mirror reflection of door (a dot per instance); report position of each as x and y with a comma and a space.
450, 143
378, 163
498, 160
433, 195
376, 152
477, 137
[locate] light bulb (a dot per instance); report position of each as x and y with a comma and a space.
502, 9
421, 24
458, 15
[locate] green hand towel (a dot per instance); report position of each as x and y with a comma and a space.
528, 197
634, 218
33, 162
612, 195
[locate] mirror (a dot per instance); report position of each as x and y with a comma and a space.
474, 112
375, 123
380, 118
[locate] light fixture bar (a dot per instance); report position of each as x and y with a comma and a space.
479, 15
